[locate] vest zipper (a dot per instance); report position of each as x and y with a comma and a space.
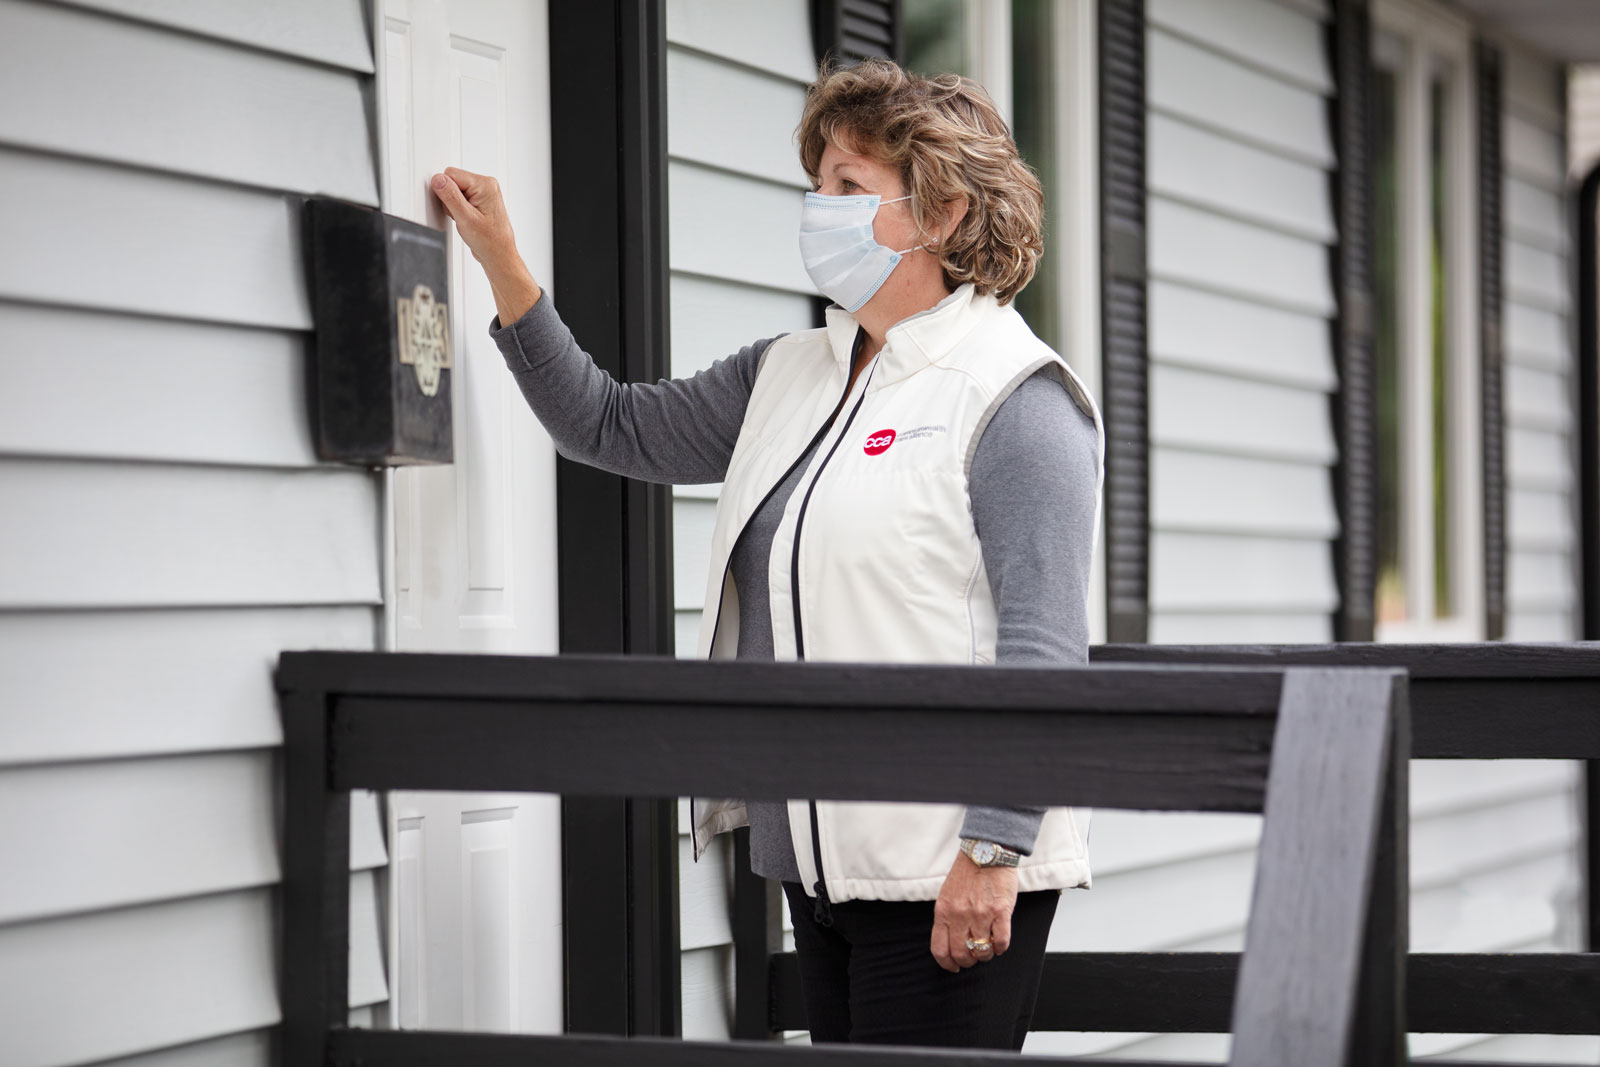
824, 908
815, 438
823, 913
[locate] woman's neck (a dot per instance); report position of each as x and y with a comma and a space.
918, 291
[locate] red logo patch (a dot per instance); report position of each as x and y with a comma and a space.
878, 443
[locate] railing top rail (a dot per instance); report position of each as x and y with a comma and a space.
664, 681
1487, 659
1177, 738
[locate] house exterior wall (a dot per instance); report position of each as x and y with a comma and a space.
1242, 513
167, 527
1540, 378
736, 77
1583, 119
1476, 889
1241, 364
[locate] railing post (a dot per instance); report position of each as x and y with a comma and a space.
1322, 977
313, 987
757, 934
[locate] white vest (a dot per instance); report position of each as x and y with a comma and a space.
888, 561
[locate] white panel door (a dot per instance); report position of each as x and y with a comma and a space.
475, 901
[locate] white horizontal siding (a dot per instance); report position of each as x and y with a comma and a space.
1534, 152
105, 684
324, 31
144, 95
200, 393
1539, 387
1535, 215
96, 535
181, 826
1214, 251
736, 75
1214, 412
774, 39
1583, 119
151, 244
168, 530
1240, 223
142, 978
1256, 33
250, 1049
736, 131
735, 227
1312, 627
706, 975
1194, 83
1210, 170
1538, 459
1209, 331
715, 317
1217, 573
1202, 492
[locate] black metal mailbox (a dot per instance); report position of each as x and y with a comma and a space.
383, 359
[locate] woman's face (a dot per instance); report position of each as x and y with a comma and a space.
847, 174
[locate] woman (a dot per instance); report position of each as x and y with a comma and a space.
918, 481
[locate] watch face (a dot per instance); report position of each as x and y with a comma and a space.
983, 853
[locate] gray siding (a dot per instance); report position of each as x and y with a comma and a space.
166, 527
1541, 483
736, 77
1241, 366
1242, 515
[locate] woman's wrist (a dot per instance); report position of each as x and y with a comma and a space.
515, 290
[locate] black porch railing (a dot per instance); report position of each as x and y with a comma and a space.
1321, 983
1471, 701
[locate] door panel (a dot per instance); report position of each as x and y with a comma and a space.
475, 906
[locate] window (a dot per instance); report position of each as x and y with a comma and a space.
1429, 585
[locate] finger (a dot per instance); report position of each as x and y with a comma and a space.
481, 190
1001, 938
959, 952
939, 945
449, 194
468, 180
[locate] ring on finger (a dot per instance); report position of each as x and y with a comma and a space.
979, 944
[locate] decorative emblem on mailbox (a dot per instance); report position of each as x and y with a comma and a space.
424, 337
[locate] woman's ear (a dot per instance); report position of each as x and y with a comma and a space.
954, 212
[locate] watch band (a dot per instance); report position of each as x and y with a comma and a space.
988, 853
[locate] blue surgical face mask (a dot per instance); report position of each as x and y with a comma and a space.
845, 262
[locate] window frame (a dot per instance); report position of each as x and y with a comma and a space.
1434, 39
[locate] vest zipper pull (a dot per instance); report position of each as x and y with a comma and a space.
823, 913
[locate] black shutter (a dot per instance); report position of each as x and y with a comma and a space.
1490, 310
1355, 403
1588, 280
852, 30
614, 548
1124, 319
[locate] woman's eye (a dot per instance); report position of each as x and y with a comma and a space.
848, 184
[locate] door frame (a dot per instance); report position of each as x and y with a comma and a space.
614, 536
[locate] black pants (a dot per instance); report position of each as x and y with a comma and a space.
870, 978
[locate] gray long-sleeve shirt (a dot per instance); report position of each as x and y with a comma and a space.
1032, 485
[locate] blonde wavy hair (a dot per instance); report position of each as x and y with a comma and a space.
950, 144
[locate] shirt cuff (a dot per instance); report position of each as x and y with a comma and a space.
1015, 828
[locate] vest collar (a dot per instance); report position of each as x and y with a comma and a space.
915, 341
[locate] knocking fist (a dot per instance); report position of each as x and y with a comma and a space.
474, 202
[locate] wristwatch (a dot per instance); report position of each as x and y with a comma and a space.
989, 854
